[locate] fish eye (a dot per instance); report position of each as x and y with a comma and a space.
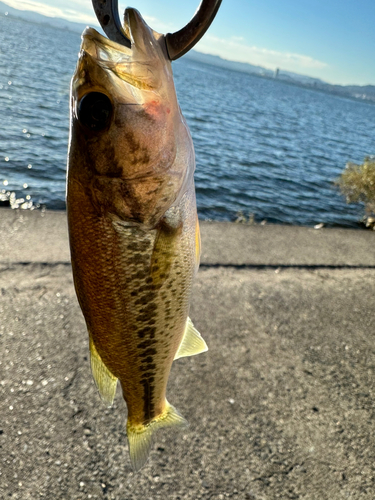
95, 111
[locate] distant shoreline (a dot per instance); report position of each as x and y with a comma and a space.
367, 92
283, 77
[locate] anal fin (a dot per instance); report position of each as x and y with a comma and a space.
192, 343
105, 381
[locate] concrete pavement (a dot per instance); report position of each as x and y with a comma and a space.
281, 406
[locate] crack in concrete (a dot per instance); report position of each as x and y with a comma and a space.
285, 266
206, 265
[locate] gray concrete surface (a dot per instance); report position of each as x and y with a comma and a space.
280, 407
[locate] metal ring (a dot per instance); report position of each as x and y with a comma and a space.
182, 41
177, 43
107, 13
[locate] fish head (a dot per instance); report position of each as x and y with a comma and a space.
127, 131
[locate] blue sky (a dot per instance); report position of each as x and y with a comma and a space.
329, 39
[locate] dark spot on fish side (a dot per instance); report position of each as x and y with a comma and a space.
147, 330
144, 299
139, 153
144, 344
140, 274
133, 247
142, 114
114, 171
149, 359
150, 308
153, 191
149, 352
148, 396
142, 318
150, 366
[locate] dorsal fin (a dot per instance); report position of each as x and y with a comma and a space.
165, 250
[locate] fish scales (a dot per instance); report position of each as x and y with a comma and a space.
133, 226
139, 311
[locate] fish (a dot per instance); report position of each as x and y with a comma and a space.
133, 225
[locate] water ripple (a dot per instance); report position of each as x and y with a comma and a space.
262, 147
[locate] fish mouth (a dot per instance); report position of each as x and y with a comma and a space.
141, 36
132, 28
131, 65
102, 49
115, 59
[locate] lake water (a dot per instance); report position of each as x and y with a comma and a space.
262, 147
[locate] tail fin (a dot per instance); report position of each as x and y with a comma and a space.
140, 436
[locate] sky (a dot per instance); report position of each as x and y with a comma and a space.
333, 40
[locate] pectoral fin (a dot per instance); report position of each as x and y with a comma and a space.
192, 343
104, 380
164, 251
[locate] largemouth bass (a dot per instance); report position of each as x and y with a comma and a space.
133, 226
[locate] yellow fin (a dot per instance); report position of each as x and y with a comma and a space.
140, 436
104, 380
192, 343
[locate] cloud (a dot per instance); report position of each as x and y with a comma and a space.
50, 11
237, 38
234, 49
84, 15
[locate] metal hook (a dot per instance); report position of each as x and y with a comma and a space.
177, 43
107, 13
182, 41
